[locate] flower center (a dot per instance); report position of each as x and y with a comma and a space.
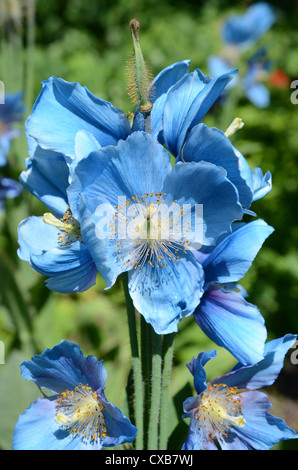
80, 412
69, 227
148, 231
219, 409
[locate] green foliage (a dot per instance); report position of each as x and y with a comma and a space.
89, 42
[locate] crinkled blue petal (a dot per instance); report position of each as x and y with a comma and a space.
266, 371
162, 83
204, 184
196, 441
164, 295
262, 184
85, 143
187, 103
135, 166
211, 145
46, 177
61, 101
231, 322
70, 267
119, 427
196, 368
36, 428
262, 430
64, 367
233, 256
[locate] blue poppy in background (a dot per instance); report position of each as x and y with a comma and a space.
252, 82
240, 33
243, 31
11, 111
78, 416
139, 170
223, 313
9, 188
230, 412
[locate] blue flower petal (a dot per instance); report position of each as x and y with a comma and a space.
233, 256
196, 368
46, 177
246, 29
258, 94
78, 109
135, 166
36, 428
196, 441
228, 320
85, 143
162, 83
64, 367
262, 185
211, 145
187, 103
265, 372
119, 427
160, 296
206, 184
262, 430
70, 267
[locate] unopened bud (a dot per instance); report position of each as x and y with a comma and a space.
139, 78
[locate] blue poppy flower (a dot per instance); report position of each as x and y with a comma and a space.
138, 170
52, 244
9, 188
243, 31
180, 101
78, 416
89, 124
223, 313
11, 111
251, 83
230, 412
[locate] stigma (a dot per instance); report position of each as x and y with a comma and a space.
81, 413
220, 408
148, 231
69, 227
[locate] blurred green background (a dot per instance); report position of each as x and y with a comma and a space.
89, 42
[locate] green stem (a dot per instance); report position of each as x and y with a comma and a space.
168, 352
30, 42
146, 350
136, 365
155, 391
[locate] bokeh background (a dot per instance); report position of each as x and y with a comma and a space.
89, 42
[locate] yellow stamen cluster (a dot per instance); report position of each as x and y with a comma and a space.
151, 234
220, 408
80, 412
69, 227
